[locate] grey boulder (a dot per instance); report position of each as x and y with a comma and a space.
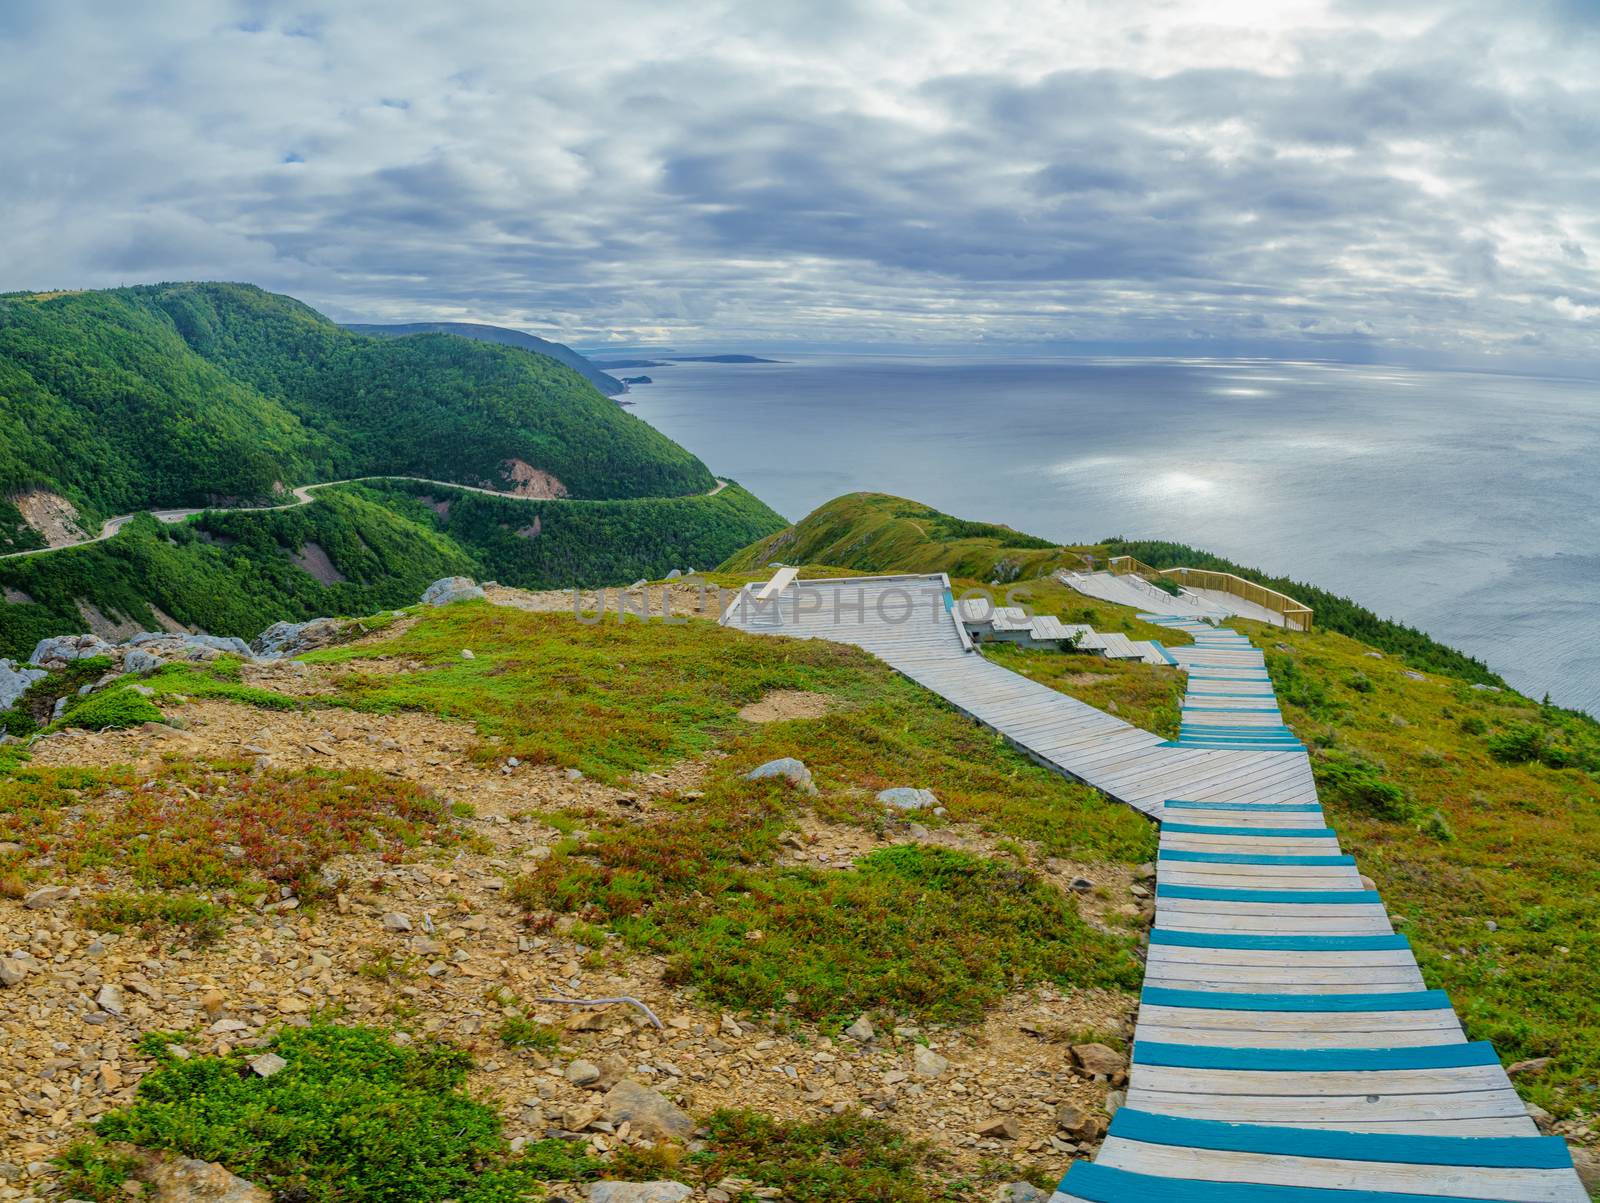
451, 589
14, 682
137, 660
906, 798
638, 1192
188, 1180
649, 1111
786, 766
285, 639
61, 650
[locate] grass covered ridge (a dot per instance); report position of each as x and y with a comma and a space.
876, 532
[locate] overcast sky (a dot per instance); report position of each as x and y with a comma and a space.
1309, 177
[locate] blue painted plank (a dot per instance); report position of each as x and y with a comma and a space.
1482, 1152
1318, 897
1242, 858
1238, 743
1239, 942
1213, 1000
1294, 833
1202, 735
1315, 1060
1223, 731
1216, 721
1165, 655
1267, 744
1102, 1184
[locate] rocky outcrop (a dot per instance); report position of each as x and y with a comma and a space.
143, 653
286, 639
452, 589
61, 650
14, 682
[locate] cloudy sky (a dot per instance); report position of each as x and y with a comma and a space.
1373, 178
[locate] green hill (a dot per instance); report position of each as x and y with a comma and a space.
875, 532
197, 394
605, 382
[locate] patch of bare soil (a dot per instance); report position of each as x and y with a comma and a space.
783, 704
52, 515
675, 600
527, 481
15, 597
112, 630
313, 558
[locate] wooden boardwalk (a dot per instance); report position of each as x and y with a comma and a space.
1286, 1046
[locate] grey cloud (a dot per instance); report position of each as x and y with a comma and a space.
1419, 177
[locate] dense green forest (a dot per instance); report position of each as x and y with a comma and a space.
556, 544
1333, 613
603, 381
195, 394
233, 573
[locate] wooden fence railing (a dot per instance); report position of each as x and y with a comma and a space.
1296, 615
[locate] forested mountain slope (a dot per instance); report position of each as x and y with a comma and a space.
194, 394
560, 352
357, 549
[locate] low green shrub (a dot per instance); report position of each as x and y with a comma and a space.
839, 1159
1520, 743
112, 709
352, 1118
200, 919
518, 1031
1358, 783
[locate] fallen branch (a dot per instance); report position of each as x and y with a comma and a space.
604, 1002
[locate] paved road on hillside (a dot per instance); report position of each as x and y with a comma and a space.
302, 497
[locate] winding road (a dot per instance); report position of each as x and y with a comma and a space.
302, 496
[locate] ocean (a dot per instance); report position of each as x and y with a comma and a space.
1466, 504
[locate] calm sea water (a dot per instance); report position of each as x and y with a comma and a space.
1464, 504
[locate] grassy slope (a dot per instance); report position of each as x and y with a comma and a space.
231, 573
874, 532
917, 930
184, 394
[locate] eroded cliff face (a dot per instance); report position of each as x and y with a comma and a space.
527, 481
52, 515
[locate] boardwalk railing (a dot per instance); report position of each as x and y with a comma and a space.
1297, 616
